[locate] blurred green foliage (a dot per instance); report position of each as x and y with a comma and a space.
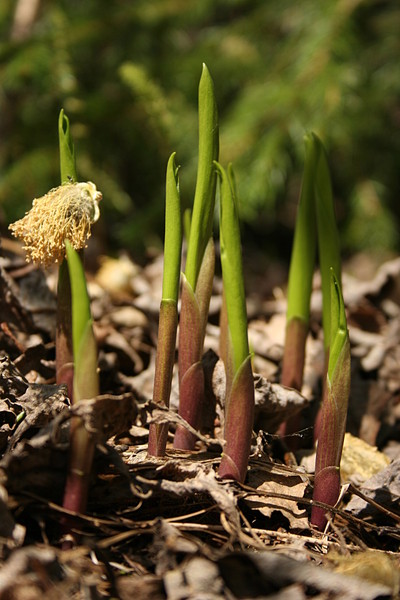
127, 74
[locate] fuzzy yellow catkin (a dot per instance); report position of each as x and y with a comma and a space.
65, 212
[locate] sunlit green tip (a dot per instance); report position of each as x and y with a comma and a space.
67, 152
339, 333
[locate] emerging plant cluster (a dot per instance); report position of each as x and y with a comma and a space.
58, 226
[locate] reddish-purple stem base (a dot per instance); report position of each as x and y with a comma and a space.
190, 406
326, 490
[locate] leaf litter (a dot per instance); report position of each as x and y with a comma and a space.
169, 527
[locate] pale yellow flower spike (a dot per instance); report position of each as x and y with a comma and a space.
65, 212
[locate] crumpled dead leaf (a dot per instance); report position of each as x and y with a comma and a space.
274, 483
11, 308
25, 405
106, 415
274, 403
272, 575
360, 461
201, 478
383, 488
355, 290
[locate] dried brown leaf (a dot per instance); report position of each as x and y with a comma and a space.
286, 484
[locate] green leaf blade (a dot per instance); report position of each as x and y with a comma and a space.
204, 199
302, 262
173, 233
67, 152
232, 269
83, 341
328, 237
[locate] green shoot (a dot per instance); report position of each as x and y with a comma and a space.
173, 234
64, 353
305, 240
334, 410
67, 151
239, 404
86, 386
232, 270
329, 252
316, 220
204, 198
300, 284
328, 237
168, 320
83, 340
199, 271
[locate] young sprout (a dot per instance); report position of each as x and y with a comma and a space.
64, 213
204, 198
334, 410
86, 386
315, 221
239, 403
300, 284
329, 253
168, 320
199, 271
328, 237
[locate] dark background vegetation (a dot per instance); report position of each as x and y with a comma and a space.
126, 72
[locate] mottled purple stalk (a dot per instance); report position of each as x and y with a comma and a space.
239, 418
292, 373
192, 324
79, 469
234, 343
333, 412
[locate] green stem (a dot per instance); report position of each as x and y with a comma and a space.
204, 199
199, 270
239, 402
328, 237
64, 353
86, 387
301, 272
168, 321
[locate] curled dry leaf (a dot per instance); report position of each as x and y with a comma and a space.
106, 415
274, 403
383, 488
264, 574
277, 483
360, 461
25, 405
12, 309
